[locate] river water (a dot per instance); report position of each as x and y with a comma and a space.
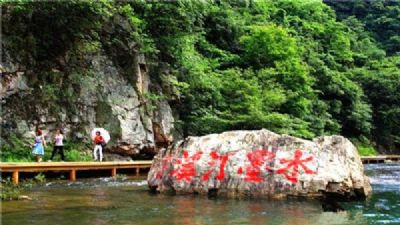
106, 201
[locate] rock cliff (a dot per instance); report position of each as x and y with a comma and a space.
260, 163
106, 98
75, 67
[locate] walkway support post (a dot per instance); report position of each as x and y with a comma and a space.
137, 171
114, 172
72, 175
15, 177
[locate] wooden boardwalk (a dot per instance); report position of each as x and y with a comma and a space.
380, 159
71, 167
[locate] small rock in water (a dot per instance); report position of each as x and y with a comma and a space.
24, 197
381, 206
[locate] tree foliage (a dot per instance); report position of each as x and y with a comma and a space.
304, 68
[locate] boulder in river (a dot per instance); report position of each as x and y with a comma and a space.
261, 164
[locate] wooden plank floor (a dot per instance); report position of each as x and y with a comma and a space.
15, 168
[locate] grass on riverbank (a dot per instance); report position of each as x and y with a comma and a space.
9, 191
367, 151
19, 151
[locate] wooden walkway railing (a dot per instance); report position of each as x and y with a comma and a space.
380, 159
71, 167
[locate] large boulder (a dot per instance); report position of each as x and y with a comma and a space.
260, 163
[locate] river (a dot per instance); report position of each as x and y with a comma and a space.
106, 201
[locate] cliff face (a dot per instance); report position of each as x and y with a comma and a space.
89, 84
105, 99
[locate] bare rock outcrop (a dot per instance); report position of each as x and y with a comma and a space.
106, 98
260, 163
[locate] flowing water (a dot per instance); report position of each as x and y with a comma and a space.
105, 201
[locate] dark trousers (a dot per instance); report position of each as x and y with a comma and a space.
60, 149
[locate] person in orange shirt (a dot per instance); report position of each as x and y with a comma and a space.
98, 146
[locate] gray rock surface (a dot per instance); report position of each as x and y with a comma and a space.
260, 163
106, 98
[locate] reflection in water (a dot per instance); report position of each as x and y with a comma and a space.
185, 211
105, 201
296, 217
257, 214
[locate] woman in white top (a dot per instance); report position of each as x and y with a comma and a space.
58, 145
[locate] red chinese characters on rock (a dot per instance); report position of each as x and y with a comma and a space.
257, 159
294, 164
186, 167
166, 162
222, 159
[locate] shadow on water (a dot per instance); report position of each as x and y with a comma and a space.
129, 201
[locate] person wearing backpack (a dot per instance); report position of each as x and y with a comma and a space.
98, 146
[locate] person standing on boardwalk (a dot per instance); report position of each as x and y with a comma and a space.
38, 147
58, 145
98, 146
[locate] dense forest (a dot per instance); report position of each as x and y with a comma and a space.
304, 68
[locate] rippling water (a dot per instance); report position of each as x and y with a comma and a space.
106, 201
384, 206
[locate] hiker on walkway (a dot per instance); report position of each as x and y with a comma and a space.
38, 147
98, 146
58, 145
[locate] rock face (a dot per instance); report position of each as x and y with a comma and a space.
107, 98
260, 163
79, 81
